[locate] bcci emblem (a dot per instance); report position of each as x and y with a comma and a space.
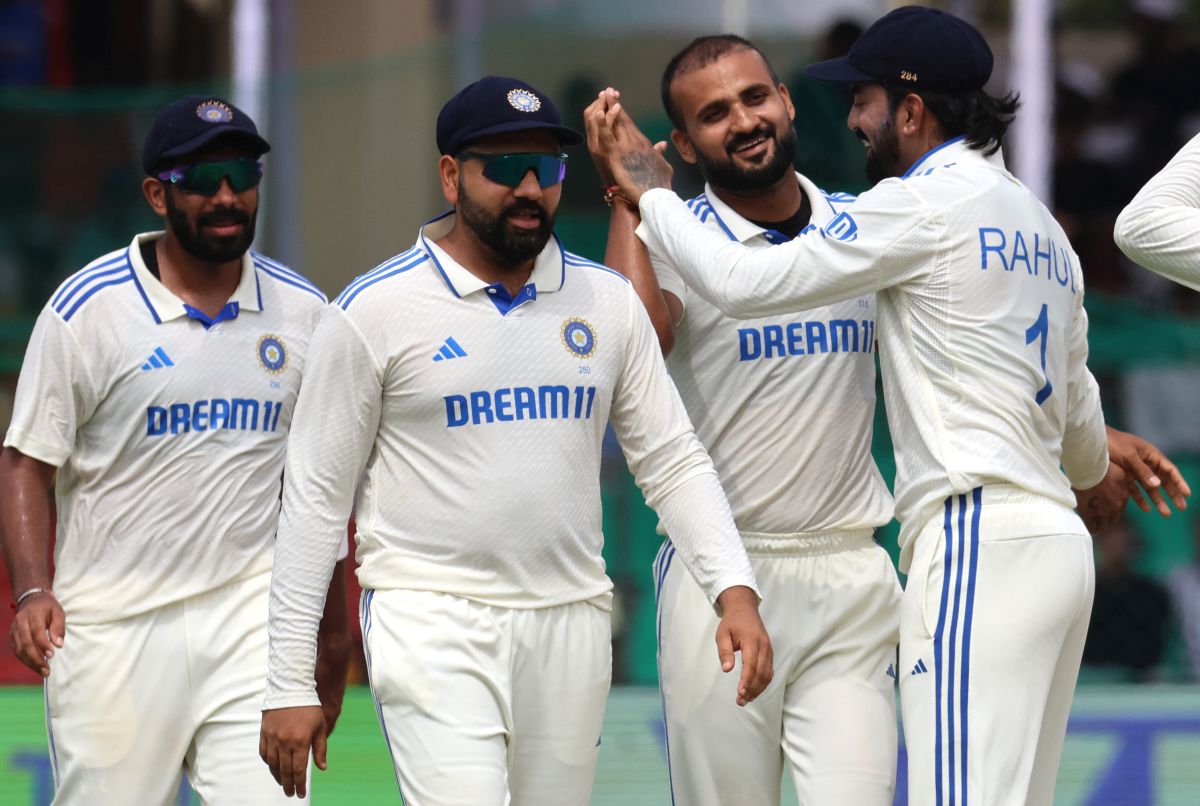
578, 337
271, 354
524, 100
214, 112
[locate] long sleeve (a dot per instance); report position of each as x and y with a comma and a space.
880, 241
1160, 228
332, 434
671, 467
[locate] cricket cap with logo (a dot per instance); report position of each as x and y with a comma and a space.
195, 121
497, 105
913, 48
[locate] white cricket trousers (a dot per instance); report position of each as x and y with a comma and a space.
831, 606
131, 704
992, 627
486, 706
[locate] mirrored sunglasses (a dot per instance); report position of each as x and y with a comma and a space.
205, 177
510, 169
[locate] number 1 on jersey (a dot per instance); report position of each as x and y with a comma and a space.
1040, 329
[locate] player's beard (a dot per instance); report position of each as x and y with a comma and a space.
883, 158
209, 248
510, 245
727, 175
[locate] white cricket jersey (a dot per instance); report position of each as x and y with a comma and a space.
982, 331
783, 404
1160, 228
478, 420
167, 428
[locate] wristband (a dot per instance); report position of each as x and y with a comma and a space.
29, 593
612, 193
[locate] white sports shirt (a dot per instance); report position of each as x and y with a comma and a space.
783, 404
478, 419
1160, 228
982, 330
167, 429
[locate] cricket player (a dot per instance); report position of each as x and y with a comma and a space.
463, 388
991, 408
152, 408
784, 405
1160, 228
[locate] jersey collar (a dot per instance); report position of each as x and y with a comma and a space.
549, 269
950, 152
164, 305
742, 230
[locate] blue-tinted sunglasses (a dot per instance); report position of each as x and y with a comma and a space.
510, 169
205, 177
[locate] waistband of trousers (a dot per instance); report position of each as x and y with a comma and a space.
807, 544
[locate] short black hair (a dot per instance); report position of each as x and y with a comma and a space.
701, 52
979, 117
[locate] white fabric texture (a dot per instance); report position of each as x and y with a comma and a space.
471, 430
1160, 228
168, 436
982, 331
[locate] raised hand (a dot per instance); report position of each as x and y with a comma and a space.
621, 151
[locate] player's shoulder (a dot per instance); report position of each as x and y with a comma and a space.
592, 270
386, 276
93, 285
289, 281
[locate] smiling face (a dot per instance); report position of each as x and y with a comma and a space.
512, 223
216, 228
873, 122
738, 122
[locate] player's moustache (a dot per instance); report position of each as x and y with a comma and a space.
764, 131
223, 216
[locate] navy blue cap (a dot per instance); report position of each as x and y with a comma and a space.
193, 122
913, 48
495, 105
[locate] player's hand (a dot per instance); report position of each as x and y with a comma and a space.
37, 630
1146, 465
284, 742
741, 630
1102, 505
633, 162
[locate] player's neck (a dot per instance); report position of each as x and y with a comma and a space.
479, 259
778, 202
203, 285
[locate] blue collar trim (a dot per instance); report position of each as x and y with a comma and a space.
230, 311
916, 165
505, 302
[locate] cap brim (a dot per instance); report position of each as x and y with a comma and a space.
839, 71
253, 141
566, 136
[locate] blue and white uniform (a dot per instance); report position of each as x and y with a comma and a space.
784, 405
464, 425
168, 431
994, 416
1160, 228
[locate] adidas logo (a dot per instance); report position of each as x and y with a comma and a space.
891, 671
450, 349
158, 360
920, 668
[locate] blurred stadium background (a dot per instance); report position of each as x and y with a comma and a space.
348, 93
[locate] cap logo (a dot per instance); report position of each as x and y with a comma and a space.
214, 112
524, 100
907, 75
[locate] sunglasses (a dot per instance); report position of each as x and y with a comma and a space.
205, 177
510, 169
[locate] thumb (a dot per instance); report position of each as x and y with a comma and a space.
320, 747
725, 647
58, 625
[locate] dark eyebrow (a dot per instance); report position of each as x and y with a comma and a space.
713, 106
